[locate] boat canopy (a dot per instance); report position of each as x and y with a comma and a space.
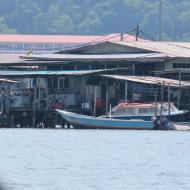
142, 109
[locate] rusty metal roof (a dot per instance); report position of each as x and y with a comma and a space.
150, 80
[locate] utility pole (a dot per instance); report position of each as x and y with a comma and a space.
160, 20
137, 33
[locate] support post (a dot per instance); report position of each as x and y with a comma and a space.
169, 100
107, 96
126, 90
95, 95
121, 37
84, 90
1, 99
34, 107
47, 96
39, 93
7, 100
155, 102
179, 91
133, 70
162, 99
30, 87
137, 33
110, 111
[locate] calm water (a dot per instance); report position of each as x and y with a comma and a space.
34, 159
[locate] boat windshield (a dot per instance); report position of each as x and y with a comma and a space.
124, 111
150, 110
165, 107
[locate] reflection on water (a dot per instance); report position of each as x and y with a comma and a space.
34, 159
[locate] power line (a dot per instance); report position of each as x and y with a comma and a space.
100, 41
148, 36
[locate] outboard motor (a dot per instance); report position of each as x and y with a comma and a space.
162, 123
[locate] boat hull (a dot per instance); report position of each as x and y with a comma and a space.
89, 122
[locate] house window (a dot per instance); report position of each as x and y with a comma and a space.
61, 83
181, 65
52, 83
55, 83
66, 83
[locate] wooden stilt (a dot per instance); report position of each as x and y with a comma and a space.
110, 111
179, 91
169, 100
155, 102
126, 90
107, 101
39, 93
83, 91
95, 96
34, 107
1, 100
133, 91
7, 100
47, 95
107, 97
162, 99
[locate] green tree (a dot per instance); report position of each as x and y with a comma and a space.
95, 17
4, 29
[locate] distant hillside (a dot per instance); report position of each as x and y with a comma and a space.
95, 17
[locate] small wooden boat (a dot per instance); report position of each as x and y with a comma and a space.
89, 122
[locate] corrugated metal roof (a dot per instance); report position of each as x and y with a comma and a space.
17, 60
44, 73
179, 70
9, 58
172, 49
83, 57
150, 80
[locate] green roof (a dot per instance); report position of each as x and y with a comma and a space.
45, 73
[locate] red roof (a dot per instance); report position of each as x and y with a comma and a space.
62, 38
47, 38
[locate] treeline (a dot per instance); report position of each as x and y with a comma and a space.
95, 17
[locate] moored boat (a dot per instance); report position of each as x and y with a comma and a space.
89, 122
146, 111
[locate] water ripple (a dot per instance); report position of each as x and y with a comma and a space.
94, 159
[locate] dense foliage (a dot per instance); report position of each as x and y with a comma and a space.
95, 17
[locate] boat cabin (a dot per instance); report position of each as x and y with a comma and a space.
142, 109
